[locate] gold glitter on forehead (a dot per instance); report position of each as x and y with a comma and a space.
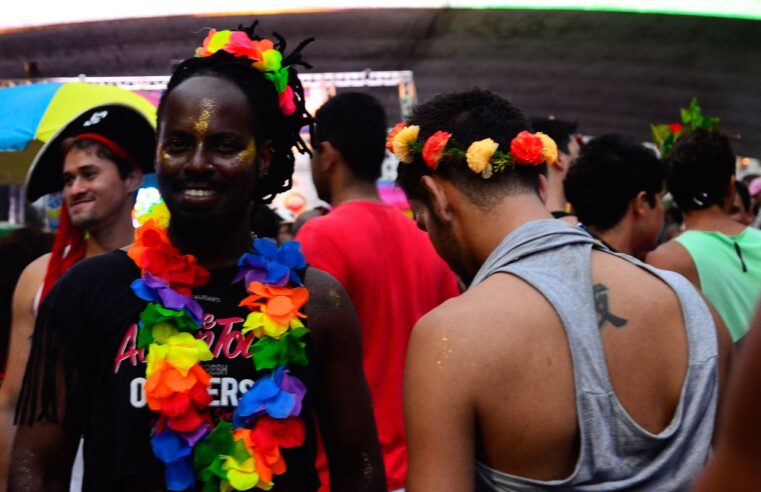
207, 111
247, 155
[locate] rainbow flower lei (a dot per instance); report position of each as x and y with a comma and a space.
482, 157
246, 453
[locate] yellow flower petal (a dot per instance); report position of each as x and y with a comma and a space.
183, 351
162, 332
480, 153
156, 355
549, 148
401, 143
241, 476
218, 41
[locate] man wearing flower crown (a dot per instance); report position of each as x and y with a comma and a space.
563, 366
190, 362
387, 265
96, 161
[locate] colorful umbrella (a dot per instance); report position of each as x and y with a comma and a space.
31, 114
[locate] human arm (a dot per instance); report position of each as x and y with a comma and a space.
51, 401
22, 327
342, 398
734, 463
438, 410
726, 349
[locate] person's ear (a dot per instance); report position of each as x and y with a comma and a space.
264, 159
437, 197
134, 180
640, 204
329, 156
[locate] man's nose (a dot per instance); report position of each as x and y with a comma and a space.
199, 161
78, 186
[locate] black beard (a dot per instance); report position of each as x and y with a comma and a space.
201, 235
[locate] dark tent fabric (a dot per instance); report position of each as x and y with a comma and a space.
608, 71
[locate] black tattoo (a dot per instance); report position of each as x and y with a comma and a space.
603, 309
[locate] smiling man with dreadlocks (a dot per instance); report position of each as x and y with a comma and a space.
197, 359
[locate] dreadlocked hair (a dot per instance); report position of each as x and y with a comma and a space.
268, 121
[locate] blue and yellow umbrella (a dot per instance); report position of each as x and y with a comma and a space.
30, 115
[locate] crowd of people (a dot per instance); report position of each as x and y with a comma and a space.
537, 326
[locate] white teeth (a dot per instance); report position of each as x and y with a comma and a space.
199, 193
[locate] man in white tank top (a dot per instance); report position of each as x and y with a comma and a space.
562, 367
97, 161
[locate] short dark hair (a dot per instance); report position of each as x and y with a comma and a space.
558, 130
94, 147
470, 116
608, 173
702, 164
355, 124
268, 121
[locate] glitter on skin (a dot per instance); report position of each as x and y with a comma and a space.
247, 155
207, 111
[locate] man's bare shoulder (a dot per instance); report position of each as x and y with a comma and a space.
673, 256
33, 276
502, 308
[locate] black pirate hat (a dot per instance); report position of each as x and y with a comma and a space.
126, 127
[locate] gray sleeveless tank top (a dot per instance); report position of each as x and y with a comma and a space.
615, 453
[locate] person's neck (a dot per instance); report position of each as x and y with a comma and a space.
713, 218
483, 232
619, 238
556, 200
110, 235
214, 249
351, 191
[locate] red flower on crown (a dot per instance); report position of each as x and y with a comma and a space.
526, 148
675, 128
434, 147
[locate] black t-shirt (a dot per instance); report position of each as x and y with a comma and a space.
85, 348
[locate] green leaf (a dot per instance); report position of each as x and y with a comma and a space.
239, 452
269, 353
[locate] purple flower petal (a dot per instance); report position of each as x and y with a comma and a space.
193, 437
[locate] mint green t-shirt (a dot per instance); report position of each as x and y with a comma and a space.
729, 269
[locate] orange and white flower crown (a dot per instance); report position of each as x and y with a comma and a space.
483, 156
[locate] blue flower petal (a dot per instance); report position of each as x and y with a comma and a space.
281, 406
180, 474
266, 247
142, 291
169, 446
277, 274
254, 399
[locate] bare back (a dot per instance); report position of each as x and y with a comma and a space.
503, 350
643, 337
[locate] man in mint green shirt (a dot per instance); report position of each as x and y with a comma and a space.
719, 255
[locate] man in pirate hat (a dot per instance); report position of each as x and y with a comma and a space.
97, 161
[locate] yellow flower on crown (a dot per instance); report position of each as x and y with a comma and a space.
549, 148
480, 153
402, 141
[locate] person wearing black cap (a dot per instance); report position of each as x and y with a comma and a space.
97, 161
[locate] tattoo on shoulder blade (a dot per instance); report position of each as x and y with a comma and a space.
603, 309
